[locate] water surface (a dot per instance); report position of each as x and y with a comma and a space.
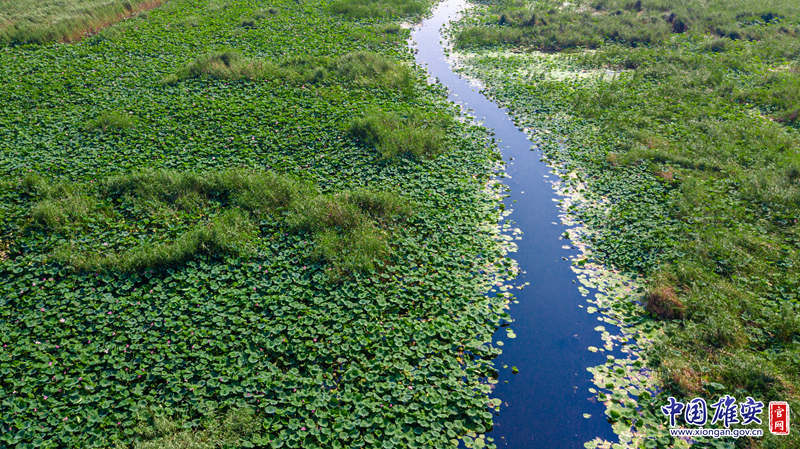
544, 404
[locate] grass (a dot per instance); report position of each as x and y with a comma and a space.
361, 68
692, 145
63, 212
112, 121
234, 429
229, 65
360, 9
229, 234
392, 134
34, 21
348, 228
548, 25
344, 226
371, 69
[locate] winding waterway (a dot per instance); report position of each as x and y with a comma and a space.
547, 404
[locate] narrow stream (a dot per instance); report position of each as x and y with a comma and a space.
544, 404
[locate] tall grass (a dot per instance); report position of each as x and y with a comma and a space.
551, 25
349, 228
229, 65
230, 233
345, 226
233, 429
360, 9
372, 69
417, 134
361, 68
41, 21
254, 191
112, 121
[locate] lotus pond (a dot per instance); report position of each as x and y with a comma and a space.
147, 301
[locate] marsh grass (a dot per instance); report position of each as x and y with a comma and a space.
738, 203
349, 228
63, 212
360, 68
228, 65
361, 9
551, 25
254, 191
41, 21
372, 69
417, 134
112, 121
230, 233
662, 302
345, 226
162, 431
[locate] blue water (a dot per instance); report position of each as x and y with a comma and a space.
543, 405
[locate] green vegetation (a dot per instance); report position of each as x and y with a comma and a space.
229, 204
549, 25
37, 21
112, 121
229, 65
687, 141
420, 135
237, 428
371, 69
235, 260
378, 8
361, 68
226, 234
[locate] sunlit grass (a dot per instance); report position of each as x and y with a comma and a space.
416, 134
39, 21
349, 228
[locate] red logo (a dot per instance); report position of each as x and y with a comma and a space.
779, 418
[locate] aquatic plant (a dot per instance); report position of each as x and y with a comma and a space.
272, 324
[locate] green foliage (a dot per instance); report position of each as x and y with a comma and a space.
344, 226
276, 329
256, 191
63, 212
235, 429
229, 65
233, 200
550, 25
230, 233
362, 68
687, 151
371, 69
392, 134
37, 21
112, 121
359, 9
